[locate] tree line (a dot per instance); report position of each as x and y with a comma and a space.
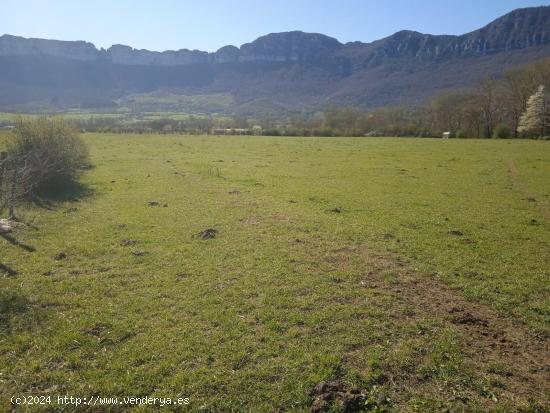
200, 124
513, 106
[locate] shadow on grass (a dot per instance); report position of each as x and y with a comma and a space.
66, 192
7, 270
12, 304
13, 241
20, 313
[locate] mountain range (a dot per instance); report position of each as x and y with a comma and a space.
275, 75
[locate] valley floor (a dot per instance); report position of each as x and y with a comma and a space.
413, 270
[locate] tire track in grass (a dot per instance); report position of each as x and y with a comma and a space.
494, 345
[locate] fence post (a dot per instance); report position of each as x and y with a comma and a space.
3, 158
13, 193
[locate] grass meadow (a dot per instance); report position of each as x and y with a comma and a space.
414, 269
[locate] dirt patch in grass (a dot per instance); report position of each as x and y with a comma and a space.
97, 329
250, 220
128, 242
336, 395
488, 338
61, 255
465, 317
280, 217
208, 233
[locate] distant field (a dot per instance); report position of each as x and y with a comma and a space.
415, 269
5, 116
121, 116
165, 101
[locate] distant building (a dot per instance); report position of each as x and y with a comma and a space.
231, 131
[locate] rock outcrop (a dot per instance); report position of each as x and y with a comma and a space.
294, 71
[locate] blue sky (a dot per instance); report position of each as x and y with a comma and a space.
210, 24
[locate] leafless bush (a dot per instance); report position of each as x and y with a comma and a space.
55, 153
44, 156
15, 181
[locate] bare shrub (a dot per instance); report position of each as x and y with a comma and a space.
50, 150
44, 158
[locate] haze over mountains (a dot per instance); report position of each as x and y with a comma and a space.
277, 74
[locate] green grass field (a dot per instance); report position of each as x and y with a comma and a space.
414, 269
